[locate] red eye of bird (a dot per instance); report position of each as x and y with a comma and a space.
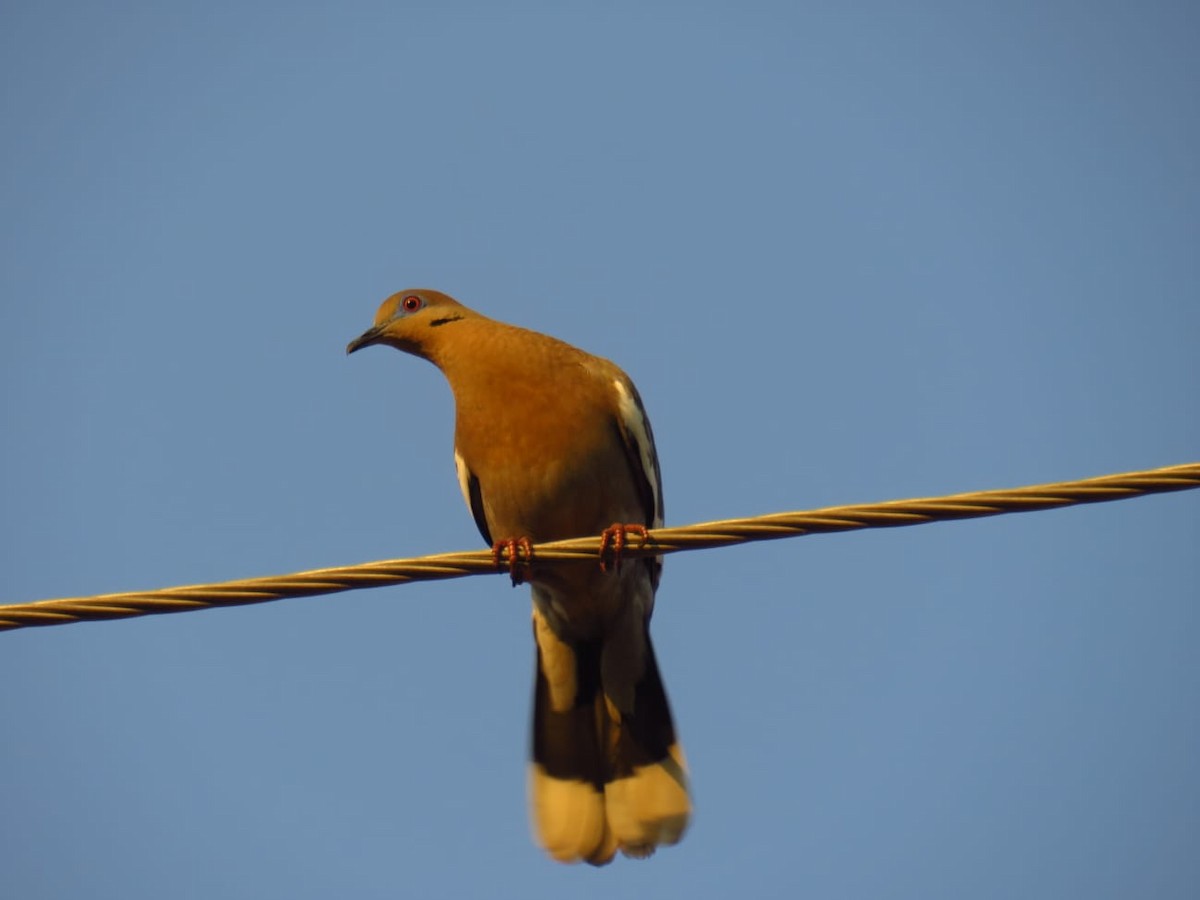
411, 303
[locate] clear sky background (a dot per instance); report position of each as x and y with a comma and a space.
849, 253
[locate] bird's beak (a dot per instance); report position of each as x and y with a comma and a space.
366, 339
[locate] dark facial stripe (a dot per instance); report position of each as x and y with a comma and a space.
444, 320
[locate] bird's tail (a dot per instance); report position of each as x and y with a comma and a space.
607, 773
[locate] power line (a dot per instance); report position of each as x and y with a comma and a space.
705, 535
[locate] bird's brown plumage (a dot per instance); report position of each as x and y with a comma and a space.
552, 442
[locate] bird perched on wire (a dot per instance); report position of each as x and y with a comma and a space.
550, 443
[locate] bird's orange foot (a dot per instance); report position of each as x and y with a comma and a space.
613, 540
519, 553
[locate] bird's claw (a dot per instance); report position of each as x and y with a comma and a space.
613, 540
514, 554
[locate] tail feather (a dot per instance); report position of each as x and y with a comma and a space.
651, 807
602, 779
570, 819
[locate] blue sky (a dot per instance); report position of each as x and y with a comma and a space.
848, 252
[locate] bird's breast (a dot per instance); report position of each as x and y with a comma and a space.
547, 470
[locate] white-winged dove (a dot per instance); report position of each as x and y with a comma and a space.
550, 443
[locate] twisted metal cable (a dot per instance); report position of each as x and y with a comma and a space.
891, 514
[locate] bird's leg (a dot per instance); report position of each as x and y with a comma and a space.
519, 552
612, 541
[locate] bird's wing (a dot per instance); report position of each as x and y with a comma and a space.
469, 484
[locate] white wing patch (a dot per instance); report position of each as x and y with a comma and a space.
464, 478
634, 420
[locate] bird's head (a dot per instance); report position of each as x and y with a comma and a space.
409, 321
